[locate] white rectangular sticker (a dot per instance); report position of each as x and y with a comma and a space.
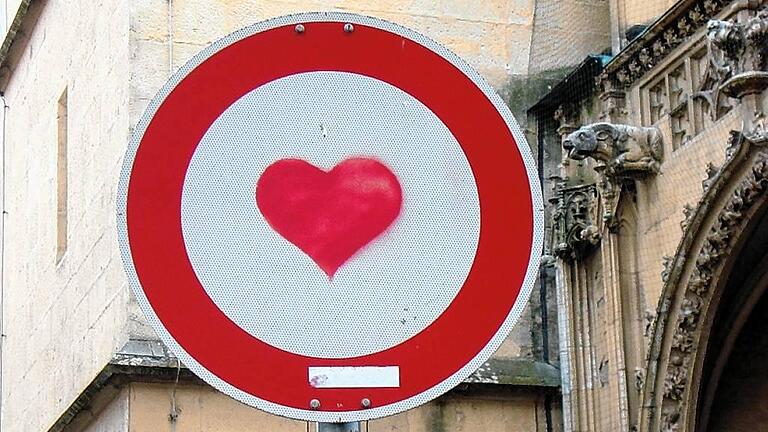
354, 376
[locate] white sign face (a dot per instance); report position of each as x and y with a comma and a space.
356, 219
370, 304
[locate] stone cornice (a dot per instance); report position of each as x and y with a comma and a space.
669, 31
13, 34
142, 360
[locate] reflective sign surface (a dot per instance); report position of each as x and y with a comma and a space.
315, 216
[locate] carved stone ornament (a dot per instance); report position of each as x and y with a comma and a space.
622, 153
712, 172
732, 147
567, 117
670, 421
635, 61
756, 129
698, 292
738, 52
649, 320
666, 262
687, 215
639, 379
575, 222
738, 57
614, 106
716, 74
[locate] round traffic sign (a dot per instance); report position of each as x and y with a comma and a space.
330, 217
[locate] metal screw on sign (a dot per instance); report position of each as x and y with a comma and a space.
349, 28
299, 28
314, 404
365, 403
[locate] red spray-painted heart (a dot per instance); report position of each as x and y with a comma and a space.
329, 215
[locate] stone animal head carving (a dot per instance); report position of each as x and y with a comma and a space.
623, 150
593, 141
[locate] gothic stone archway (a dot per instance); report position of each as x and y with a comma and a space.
716, 232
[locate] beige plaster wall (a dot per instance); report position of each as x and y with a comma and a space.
203, 409
494, 36
565, 31
642, 12
627, 13
113, 417
62, 322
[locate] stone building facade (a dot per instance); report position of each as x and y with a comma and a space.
648, 123
657, 181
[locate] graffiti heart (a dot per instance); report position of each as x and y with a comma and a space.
329, 215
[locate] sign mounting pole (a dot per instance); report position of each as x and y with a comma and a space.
330, 217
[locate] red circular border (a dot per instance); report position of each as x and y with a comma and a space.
218, 344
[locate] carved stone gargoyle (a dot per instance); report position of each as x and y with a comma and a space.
623, 153
738, 55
